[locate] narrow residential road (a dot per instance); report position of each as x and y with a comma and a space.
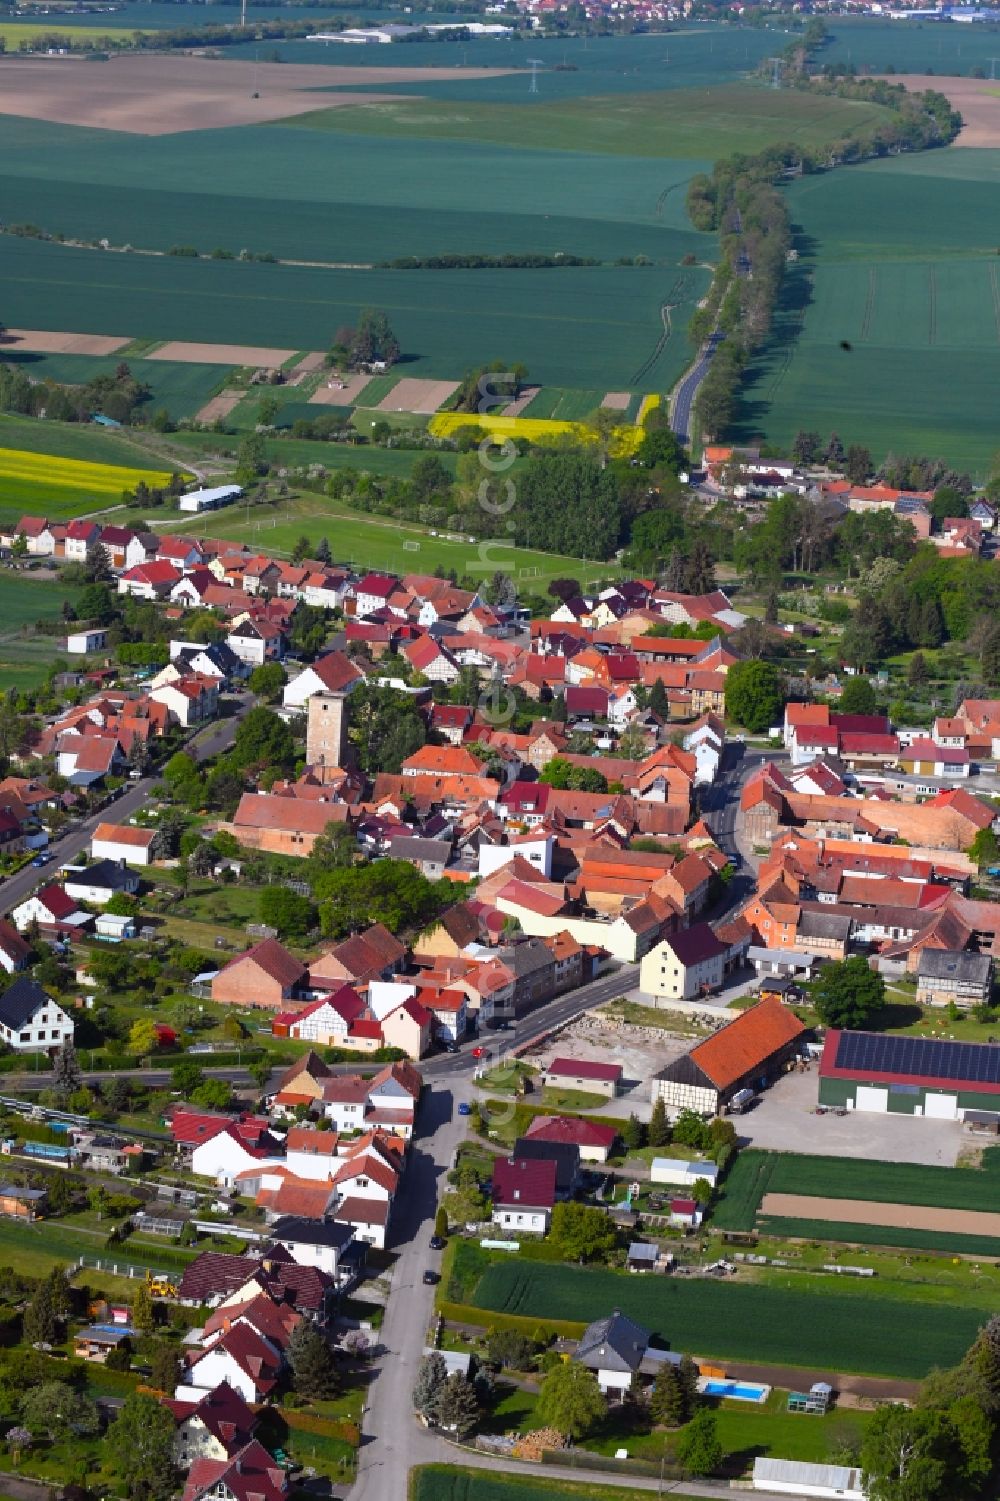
391, 1437
208, 742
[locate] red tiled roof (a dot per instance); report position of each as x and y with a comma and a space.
571, 1129
747, 1043
530, 1182
581, 1068
274, 959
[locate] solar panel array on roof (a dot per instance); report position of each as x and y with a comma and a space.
920, 1057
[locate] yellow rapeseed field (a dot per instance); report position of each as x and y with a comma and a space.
535, 429
40, 471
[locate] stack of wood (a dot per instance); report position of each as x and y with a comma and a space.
531, 1445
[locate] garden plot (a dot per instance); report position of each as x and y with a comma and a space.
340, 392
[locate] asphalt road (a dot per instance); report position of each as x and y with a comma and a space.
688, 390
206, 743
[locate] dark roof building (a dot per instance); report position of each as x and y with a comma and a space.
564, 1154
909, 1075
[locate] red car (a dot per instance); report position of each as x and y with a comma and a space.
478, 1052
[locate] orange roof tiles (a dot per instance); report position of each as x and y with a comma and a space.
747, 1043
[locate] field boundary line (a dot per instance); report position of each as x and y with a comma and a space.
932, 291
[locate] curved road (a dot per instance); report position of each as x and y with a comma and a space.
688, 389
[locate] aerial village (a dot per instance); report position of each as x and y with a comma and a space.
531, 1030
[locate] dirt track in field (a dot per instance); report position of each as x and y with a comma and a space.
976, 99
865, 1212
40, 341
164, 94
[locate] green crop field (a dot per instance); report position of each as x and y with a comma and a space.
710, 122
756, 1173
899, 263
183, 389
448, 1483
71, 440
574, 327
741, 1321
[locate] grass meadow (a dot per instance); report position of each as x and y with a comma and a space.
26, 658
450, 1483
765, 1323
690, 123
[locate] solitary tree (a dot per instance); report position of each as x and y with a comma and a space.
753, 695
699, 1448
57, 1411
66, 1072
141, 1444
570, 1400
666, 1404
848, 994
143, 1313
658, 1134
309, 1356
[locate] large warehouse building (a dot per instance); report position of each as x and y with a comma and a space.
748, 1053
909, 1075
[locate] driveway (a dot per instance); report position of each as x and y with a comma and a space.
785, 1121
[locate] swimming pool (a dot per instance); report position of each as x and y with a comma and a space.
737, 1391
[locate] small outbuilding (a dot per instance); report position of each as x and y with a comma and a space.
794, 1477
584, 1074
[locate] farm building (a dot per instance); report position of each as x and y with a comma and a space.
909, 1075
800, 1479
209, 499
748, 1053
947, 975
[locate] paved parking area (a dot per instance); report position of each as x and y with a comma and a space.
785, 1121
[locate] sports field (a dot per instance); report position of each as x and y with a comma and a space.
743, 1321
899, 264
383, 543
